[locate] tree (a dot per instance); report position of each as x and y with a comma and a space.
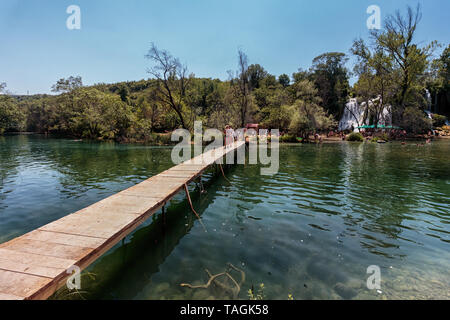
331, 78
67, 85
284, 80
278, 117
99, 115
148, 113
241, 89
376, 78
444, 75
410, 60
444, 70
438, 82
273, 101
10, 115
415, 121
306, 113
173, 80
301, 75
124, 93
256, 74
153, 113
219, 105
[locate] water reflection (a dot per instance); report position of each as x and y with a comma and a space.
311, 231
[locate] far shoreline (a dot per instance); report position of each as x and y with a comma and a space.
325, 139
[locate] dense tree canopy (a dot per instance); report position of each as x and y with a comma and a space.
284, 80
376, 80
438, 83
67, 85
330, 75
409, 59
10, 115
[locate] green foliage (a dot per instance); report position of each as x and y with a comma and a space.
438, 82
301, 75
376, 79
415, 120
10, 115
439, 120
259, 295
284, 80
409, 60
256, 74
123, 93
355, 136
288, 138
277, 117
164, 139
331, 78
307, 116
382, 137
99, 115
67, 85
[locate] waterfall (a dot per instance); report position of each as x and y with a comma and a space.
429, 106
428, 97
354, 115
352, 109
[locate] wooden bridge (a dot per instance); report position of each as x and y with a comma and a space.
35, 265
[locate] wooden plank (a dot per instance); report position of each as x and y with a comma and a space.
101, 225
32, 259
123, 204
7, 296
175, 180
48, 272
160, 192
48, 249
160, 184
187, 168
157, 197
177, 174
20, 284
62, 238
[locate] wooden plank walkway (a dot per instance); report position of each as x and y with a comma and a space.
35, 265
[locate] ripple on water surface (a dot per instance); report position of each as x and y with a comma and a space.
311, 230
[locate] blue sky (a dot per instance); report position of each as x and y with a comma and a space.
282, 35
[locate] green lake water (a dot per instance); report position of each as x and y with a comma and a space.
310, 231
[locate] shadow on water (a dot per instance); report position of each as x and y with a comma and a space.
127, 269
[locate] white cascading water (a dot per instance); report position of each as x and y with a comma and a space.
351, 110
429, 105
354, 114
428, 97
